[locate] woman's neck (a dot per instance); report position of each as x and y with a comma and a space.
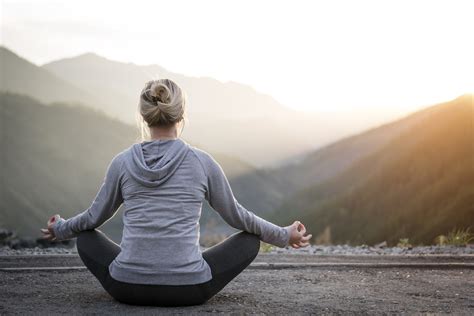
164, 132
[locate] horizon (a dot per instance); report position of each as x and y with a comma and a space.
376, 65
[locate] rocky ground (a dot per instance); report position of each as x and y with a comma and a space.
377, 250
310, 250
294, 288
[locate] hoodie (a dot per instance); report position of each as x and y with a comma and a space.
161, 185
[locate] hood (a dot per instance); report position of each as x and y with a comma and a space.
153, 162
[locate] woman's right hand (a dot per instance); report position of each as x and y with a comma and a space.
48, 233
297, 237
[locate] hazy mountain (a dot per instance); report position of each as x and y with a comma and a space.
414, 179
20, 76
54, 159
229, 117
327, 162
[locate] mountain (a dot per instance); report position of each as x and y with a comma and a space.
18, 75
55, 156
412, 178
327, 162
228, 117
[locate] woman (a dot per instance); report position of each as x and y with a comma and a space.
162, 183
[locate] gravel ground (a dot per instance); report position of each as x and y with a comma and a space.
368, 250
310, 250
271, 290
301, 291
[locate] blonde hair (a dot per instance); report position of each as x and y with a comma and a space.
162, 103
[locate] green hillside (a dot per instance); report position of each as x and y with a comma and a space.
419, 184
54, 159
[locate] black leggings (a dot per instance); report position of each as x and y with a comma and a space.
226, 260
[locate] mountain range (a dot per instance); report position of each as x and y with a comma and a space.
63, 122
229, 117
413, 178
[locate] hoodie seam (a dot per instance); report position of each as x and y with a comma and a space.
122, 169
126, 173
202, 167
200, 162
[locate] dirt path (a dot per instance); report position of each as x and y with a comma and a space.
303, 291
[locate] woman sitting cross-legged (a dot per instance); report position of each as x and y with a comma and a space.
162, 183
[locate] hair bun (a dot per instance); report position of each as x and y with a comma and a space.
162, 102
160, 92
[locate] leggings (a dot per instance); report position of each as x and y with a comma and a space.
226, 260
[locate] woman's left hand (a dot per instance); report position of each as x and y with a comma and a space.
297, 235
49, 232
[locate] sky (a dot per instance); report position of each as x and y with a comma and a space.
394, 56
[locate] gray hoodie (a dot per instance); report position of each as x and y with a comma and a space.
162, 185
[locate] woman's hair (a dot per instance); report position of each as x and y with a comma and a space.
162, 103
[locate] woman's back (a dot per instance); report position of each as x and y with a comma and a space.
163, 186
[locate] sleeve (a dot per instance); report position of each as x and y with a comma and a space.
105, 205
220, 197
